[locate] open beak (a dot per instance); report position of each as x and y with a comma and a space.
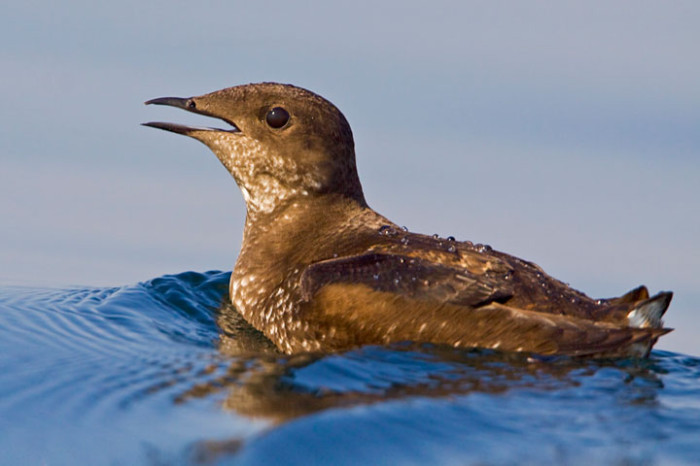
190, 105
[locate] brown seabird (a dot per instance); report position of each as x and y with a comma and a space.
319, 270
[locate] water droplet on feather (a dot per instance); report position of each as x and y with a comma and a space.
483, 248
387, 230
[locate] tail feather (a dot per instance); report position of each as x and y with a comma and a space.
648, 313
632, 296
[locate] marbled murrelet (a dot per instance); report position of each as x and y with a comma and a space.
321, 271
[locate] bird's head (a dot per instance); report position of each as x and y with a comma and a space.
285, 143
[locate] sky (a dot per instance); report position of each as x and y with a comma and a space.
566, 133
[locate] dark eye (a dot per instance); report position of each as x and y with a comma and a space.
277, 117
191, 104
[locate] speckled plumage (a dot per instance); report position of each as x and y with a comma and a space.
321, 271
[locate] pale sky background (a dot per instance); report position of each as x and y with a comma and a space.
566, 133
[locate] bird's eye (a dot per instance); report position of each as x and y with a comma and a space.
277, 117
191, 104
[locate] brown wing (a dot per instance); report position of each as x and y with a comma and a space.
357, 315
407, 276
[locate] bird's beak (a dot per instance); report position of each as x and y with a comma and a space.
180, 102
190, 105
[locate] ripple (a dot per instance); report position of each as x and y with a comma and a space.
85, 345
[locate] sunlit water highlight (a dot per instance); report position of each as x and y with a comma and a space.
164, 372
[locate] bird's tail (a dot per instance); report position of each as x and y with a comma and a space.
648, 312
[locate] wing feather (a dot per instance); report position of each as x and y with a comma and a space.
408, 276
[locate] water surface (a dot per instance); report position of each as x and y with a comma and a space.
165, 372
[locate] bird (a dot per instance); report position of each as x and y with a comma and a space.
320, 271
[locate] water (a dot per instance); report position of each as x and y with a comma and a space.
165, 372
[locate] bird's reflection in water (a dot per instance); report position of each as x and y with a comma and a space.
262, 383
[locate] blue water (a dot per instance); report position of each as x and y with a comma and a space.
165, 372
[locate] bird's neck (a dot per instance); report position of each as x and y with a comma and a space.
268, 199
301, 217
